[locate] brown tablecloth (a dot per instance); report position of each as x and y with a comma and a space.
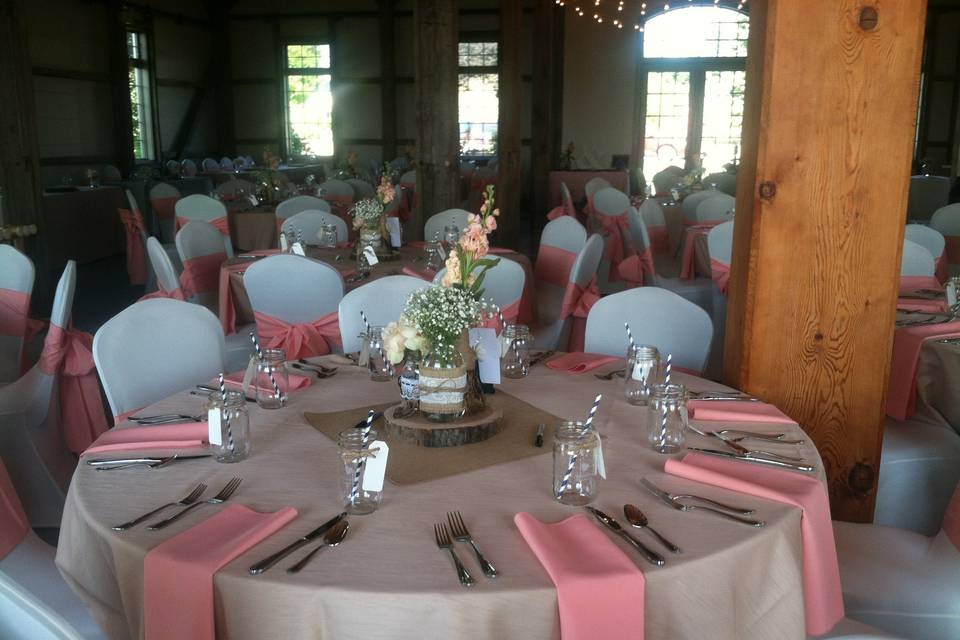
82, 225
576, 180
938, 379
389, 580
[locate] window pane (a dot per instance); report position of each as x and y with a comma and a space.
696, 32
138, 78
478, 54
722, 118
309, 115
667, 116
479, 112
308, 56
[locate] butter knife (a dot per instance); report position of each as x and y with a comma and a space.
773, 463
100, 463
269, 561
652, 556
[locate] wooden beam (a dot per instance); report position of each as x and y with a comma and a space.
71, 74
221, 49
509, 169
830, 111
388, 79
119, 72
438, 140
19, 151
189, 121
547, 123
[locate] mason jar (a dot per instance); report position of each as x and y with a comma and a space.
354, 453
515, 362
668, 418
443, 384
408, 377
642, 372
377, 363
328, 235
272, 379
576, 476
234, 427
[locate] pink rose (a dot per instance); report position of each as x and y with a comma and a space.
491, 224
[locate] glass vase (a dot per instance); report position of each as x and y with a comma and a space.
443, 384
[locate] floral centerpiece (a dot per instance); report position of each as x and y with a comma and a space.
467, 264
368, 218
271, 184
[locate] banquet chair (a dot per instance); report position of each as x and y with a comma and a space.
934, 242
226, 164
657, 317
927, 194
209, 165
656, 224
916, 260
340, 196
382, 301
202, 250
718, 207
399, 166
561, 242
35, 601
720, 248
664, 181
594, 185
292, 206
901, 581
433, 229
155, 348
135, 231
16, 287
848, 629
294, 301
111, 173
362, 189
562, 308
690, 203
308, 224
203, 208
235, 188
611, 210
503, 285
724, 182
163, 201
31, 440
946, 220
173, 168
188, 168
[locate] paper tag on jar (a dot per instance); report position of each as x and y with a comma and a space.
213, 426
641, 371
601, 467
376, 467
487, 346
370, 255
297, 249
393, 226
284, 246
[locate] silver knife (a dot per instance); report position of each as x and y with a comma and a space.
100, 463
269, 561
652, 556
773, 463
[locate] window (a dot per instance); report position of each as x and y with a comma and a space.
693, 61
479, 105
309, 99
141, 96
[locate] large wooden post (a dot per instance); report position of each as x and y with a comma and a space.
120, 87
19, 153
438, 141
547, 106
831, 103
221, 50
509, 170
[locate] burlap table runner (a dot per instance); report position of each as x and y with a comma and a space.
409, 464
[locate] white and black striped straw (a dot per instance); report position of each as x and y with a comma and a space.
225, 413
662, 440
300, 236
364, 439
273, 381
366, 323
583, 434
503, 322
626, 325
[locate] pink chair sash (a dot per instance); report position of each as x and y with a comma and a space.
201, 274
688, 265
912, 283
408, 200
176, 294
165, 208
13, 521
907, 342
14, 307
424, 274
952, 249
659, 239
566, 208
721, 274
136, 251
951, 520
615, 228
941, 268
221, 223
67, 354
638, 270
577, 302
299, 340
554, 265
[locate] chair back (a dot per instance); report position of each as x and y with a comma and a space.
611, 202
16, 270
188, 168
381, 300
111, 173
435, 223
720, 242
946, 220
337, 188
409, 178
362, 189
588, 261
226, 164
652, 213
17, 275
173, 168
198, 239
399, 166
692, 201
155, 348
62, 309
308, 223
163, 268
718, 207
916, 260
200, 207
503, 284
293, 288
24, 615
564, 233
639, 233
594, 185
927, 237
164, 190
210, 165
927, 194
724, 182
293, 206
664, 181
235, 187
657, 317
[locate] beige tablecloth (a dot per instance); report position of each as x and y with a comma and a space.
253, 229
388, 580
938, 378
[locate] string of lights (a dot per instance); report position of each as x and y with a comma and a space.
619, 13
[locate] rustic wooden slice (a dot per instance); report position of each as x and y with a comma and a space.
416, 429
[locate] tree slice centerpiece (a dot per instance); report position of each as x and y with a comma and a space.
417, 430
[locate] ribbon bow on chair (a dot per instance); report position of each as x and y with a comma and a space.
136, 252
577, 302
302, 340
638, 270
721, 274
615, 229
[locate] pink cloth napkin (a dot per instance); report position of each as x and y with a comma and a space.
823, 598
737, 411
924, 306
296, 381
183, 435
178, 574
600, 590
577, 362
907, 342
423, 274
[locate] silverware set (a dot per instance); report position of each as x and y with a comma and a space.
331, 527
682, 502
932, 318
537, 359
167, 418
949, 340
742, 450
457, 531
722, 396
619, 373
149, 462
224, 495
318, 370
649, 554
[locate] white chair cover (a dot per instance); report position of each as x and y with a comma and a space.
503, 284
292, 206
719, 207
164, 190
188, 168
725, 182
652, 214
166, 227
200, 207
362, 189
565, 233
692, 201
30, 438
927, 194
226, 164
916, 260
163, 269
657, 317
409, 177
594, 185
553, 332
173, 168
435, 223
235, 187
927, 237
720, 242
16, 274
382, 301
155, 348
308, 224
946, 220
611, 202
338, 188
292, 288
195, 240
210, 165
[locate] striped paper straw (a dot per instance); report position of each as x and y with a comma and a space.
583, 434
364, 439
273, 381
366, 322
224, 412
626, 325
503, 323
662, 440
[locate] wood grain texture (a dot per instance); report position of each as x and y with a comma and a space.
829, 119
508, 128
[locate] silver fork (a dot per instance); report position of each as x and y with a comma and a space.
223, 496
619, 373
187, 500
742, 450
461, 534
443, 541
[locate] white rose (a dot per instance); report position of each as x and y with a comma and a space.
395, 357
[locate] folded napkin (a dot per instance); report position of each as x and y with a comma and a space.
907, 342
178, 574
424, 274
600, 590
822, 595
183, 435
296, 382
579, 362
923, 306
737, 411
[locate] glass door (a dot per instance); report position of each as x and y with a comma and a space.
722, 119
667, 120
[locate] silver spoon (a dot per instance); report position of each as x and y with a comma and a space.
636, 518
331, 538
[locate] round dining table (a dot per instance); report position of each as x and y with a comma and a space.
388, 579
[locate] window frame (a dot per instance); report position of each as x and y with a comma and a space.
284, 72
485, 37
148, 66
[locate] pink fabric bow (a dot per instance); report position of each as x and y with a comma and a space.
302, 340
566, 208
14, 307
165, 208
554, 265
952, 249
638, 270
67, 354
688, 266
721, 274
136, 251
511, 314
659, 239
13, 521
201, 274
951, 520
941, 268
907, 342
615, 229
577, 302
176, 294
221, 223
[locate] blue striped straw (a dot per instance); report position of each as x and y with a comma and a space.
583, 434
